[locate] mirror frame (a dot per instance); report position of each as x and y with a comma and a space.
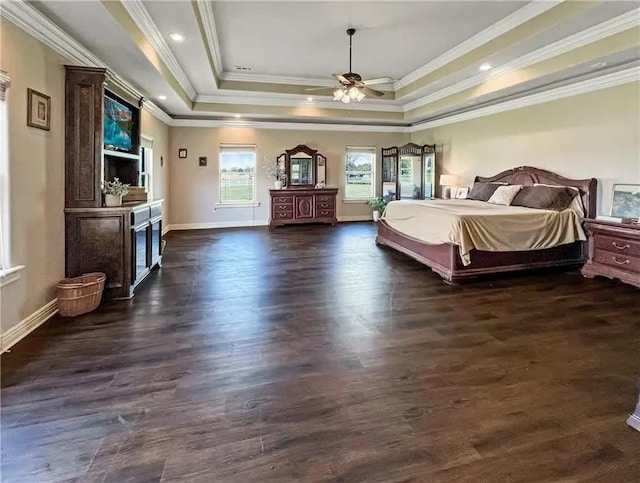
291, 153
410, 149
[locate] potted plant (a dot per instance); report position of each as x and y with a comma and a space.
275, 170
114, 191
377, 205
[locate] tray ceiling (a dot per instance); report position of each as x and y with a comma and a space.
433, 50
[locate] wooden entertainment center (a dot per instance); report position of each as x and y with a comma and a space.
123, 242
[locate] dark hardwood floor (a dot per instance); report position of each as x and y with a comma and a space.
310, 354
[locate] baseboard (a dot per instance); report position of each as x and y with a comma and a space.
217, 224
355, 218
19, 331
166, 229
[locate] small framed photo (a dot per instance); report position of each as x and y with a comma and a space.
202, 161
38, 110
182, 153
462, 192
625, 202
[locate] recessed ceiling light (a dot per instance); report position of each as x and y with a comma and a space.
162, 98
309, 98
237, 116
484, 67
176, 37
599, 64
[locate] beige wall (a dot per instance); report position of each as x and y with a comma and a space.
195, 190
36, 170
590, 135
159, 132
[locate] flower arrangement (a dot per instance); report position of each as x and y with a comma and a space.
115, 188
274, 170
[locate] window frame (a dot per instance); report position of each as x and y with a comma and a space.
372, 150
238, 148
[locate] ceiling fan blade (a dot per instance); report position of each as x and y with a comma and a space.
380, 80
319, 88
342, 79
371, 92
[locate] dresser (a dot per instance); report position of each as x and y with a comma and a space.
614, 251
303, 205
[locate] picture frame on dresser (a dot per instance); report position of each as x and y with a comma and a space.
625, 201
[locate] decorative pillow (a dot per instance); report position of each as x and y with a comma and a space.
504, 195
576, 204
482, 191
545, 197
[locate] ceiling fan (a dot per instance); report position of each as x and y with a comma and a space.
352, 87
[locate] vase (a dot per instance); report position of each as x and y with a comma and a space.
376, 215
278, 184
112, 200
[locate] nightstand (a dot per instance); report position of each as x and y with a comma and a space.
614, 251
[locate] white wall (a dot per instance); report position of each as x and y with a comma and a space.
590, 135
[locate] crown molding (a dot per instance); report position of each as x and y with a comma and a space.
205, 8
31, 21
508, 23
625, 76
295, 100
593, 34
141, 17
278, 79
295, 126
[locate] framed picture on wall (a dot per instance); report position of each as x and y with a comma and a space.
625, 201
202, 161
38, 110
182, 153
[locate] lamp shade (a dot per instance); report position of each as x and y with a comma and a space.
448, 180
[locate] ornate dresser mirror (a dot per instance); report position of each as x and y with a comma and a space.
303, 167
408, 172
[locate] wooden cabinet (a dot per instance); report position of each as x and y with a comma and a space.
124, 243
614, 251
297, 205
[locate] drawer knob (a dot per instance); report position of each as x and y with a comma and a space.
621, 262
325, 205
621, 247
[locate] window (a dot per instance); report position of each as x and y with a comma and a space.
360, 173
237, 174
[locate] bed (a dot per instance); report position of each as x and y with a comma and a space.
453, 266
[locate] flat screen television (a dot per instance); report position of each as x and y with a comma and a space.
118, 125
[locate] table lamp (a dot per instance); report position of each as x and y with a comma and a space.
447, 181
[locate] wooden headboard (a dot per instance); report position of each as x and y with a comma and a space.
527, 176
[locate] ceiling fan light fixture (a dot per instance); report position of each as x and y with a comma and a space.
337, 94
353, 92
360, 96
346, 99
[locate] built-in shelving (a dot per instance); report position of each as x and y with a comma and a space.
120, 154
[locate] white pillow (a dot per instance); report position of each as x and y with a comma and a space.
504, 195
576, 204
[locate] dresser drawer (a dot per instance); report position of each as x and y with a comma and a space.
621, 246
282, 207
282, 215
324, 213
325, 199
140, 215
618, 260
325, 205
282, 199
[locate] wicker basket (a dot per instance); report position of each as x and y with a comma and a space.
80, 295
